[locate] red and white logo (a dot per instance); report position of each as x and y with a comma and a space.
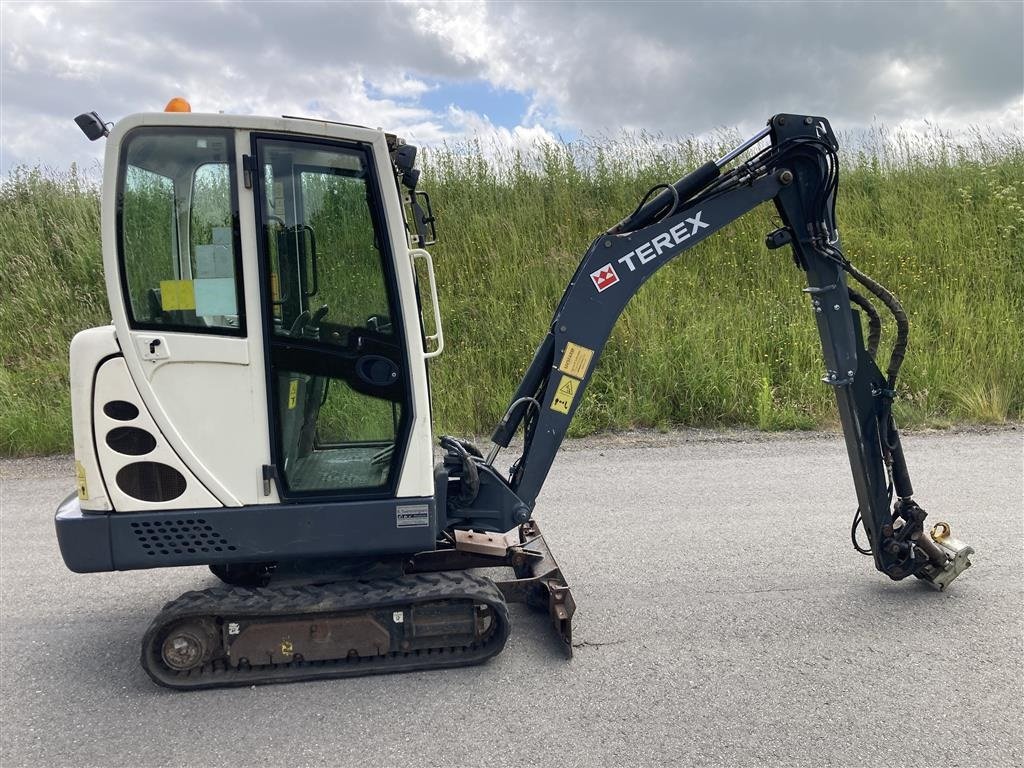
605, 277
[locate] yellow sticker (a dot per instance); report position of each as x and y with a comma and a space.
177, 294
83, 486
564, 394
287, 648
293, 394
576, 360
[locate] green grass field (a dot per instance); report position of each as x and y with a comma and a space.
722, 336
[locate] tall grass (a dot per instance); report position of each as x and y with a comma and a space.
51, 284
721, 336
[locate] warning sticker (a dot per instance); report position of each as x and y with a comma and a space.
83, 486
293, 393
576, 360
565, 394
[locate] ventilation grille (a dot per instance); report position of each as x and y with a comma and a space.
178, 537
131, 441
151, 481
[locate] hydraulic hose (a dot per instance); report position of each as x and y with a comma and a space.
889, 435
899, 349
669, 199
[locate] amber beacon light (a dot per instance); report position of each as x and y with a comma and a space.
178, 104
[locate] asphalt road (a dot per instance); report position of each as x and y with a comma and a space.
723, 620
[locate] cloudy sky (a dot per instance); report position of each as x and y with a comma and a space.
525, 71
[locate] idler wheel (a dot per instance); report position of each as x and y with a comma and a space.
186, 647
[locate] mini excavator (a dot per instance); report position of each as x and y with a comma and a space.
260, 403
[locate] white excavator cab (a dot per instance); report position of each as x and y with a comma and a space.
266, 343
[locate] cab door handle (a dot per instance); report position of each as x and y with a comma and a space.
152, 348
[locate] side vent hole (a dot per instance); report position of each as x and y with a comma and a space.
120, 410
130, 441
151, 481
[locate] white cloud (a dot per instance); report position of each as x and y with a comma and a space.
401, 86
677, 69
469, 123
989, 122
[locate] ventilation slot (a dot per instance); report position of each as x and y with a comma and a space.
120, 410
131, 441
151, 481
179, 537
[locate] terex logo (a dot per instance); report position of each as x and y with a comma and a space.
605, 277
652, 248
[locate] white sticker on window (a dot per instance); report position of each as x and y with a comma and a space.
214, 261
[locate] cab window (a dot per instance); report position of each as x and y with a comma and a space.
177, 215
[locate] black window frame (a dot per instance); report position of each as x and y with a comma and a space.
297, 347
236, 232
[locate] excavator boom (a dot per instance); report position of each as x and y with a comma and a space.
799, 171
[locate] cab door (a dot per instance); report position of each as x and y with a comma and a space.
338, 374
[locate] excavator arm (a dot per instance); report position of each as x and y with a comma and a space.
799, 172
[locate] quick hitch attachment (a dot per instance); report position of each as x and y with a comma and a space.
957, 554
931, 555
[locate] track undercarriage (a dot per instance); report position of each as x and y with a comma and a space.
291, 625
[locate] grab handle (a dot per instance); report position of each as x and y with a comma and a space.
438, 336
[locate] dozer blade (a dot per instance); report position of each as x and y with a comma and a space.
538, 581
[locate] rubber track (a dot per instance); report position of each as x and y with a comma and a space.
289, 601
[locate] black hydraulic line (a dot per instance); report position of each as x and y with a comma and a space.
676, 195
858, 519
899, 349
874, 321
534, 378
889, 435
470, 485
674, 202
669, 200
